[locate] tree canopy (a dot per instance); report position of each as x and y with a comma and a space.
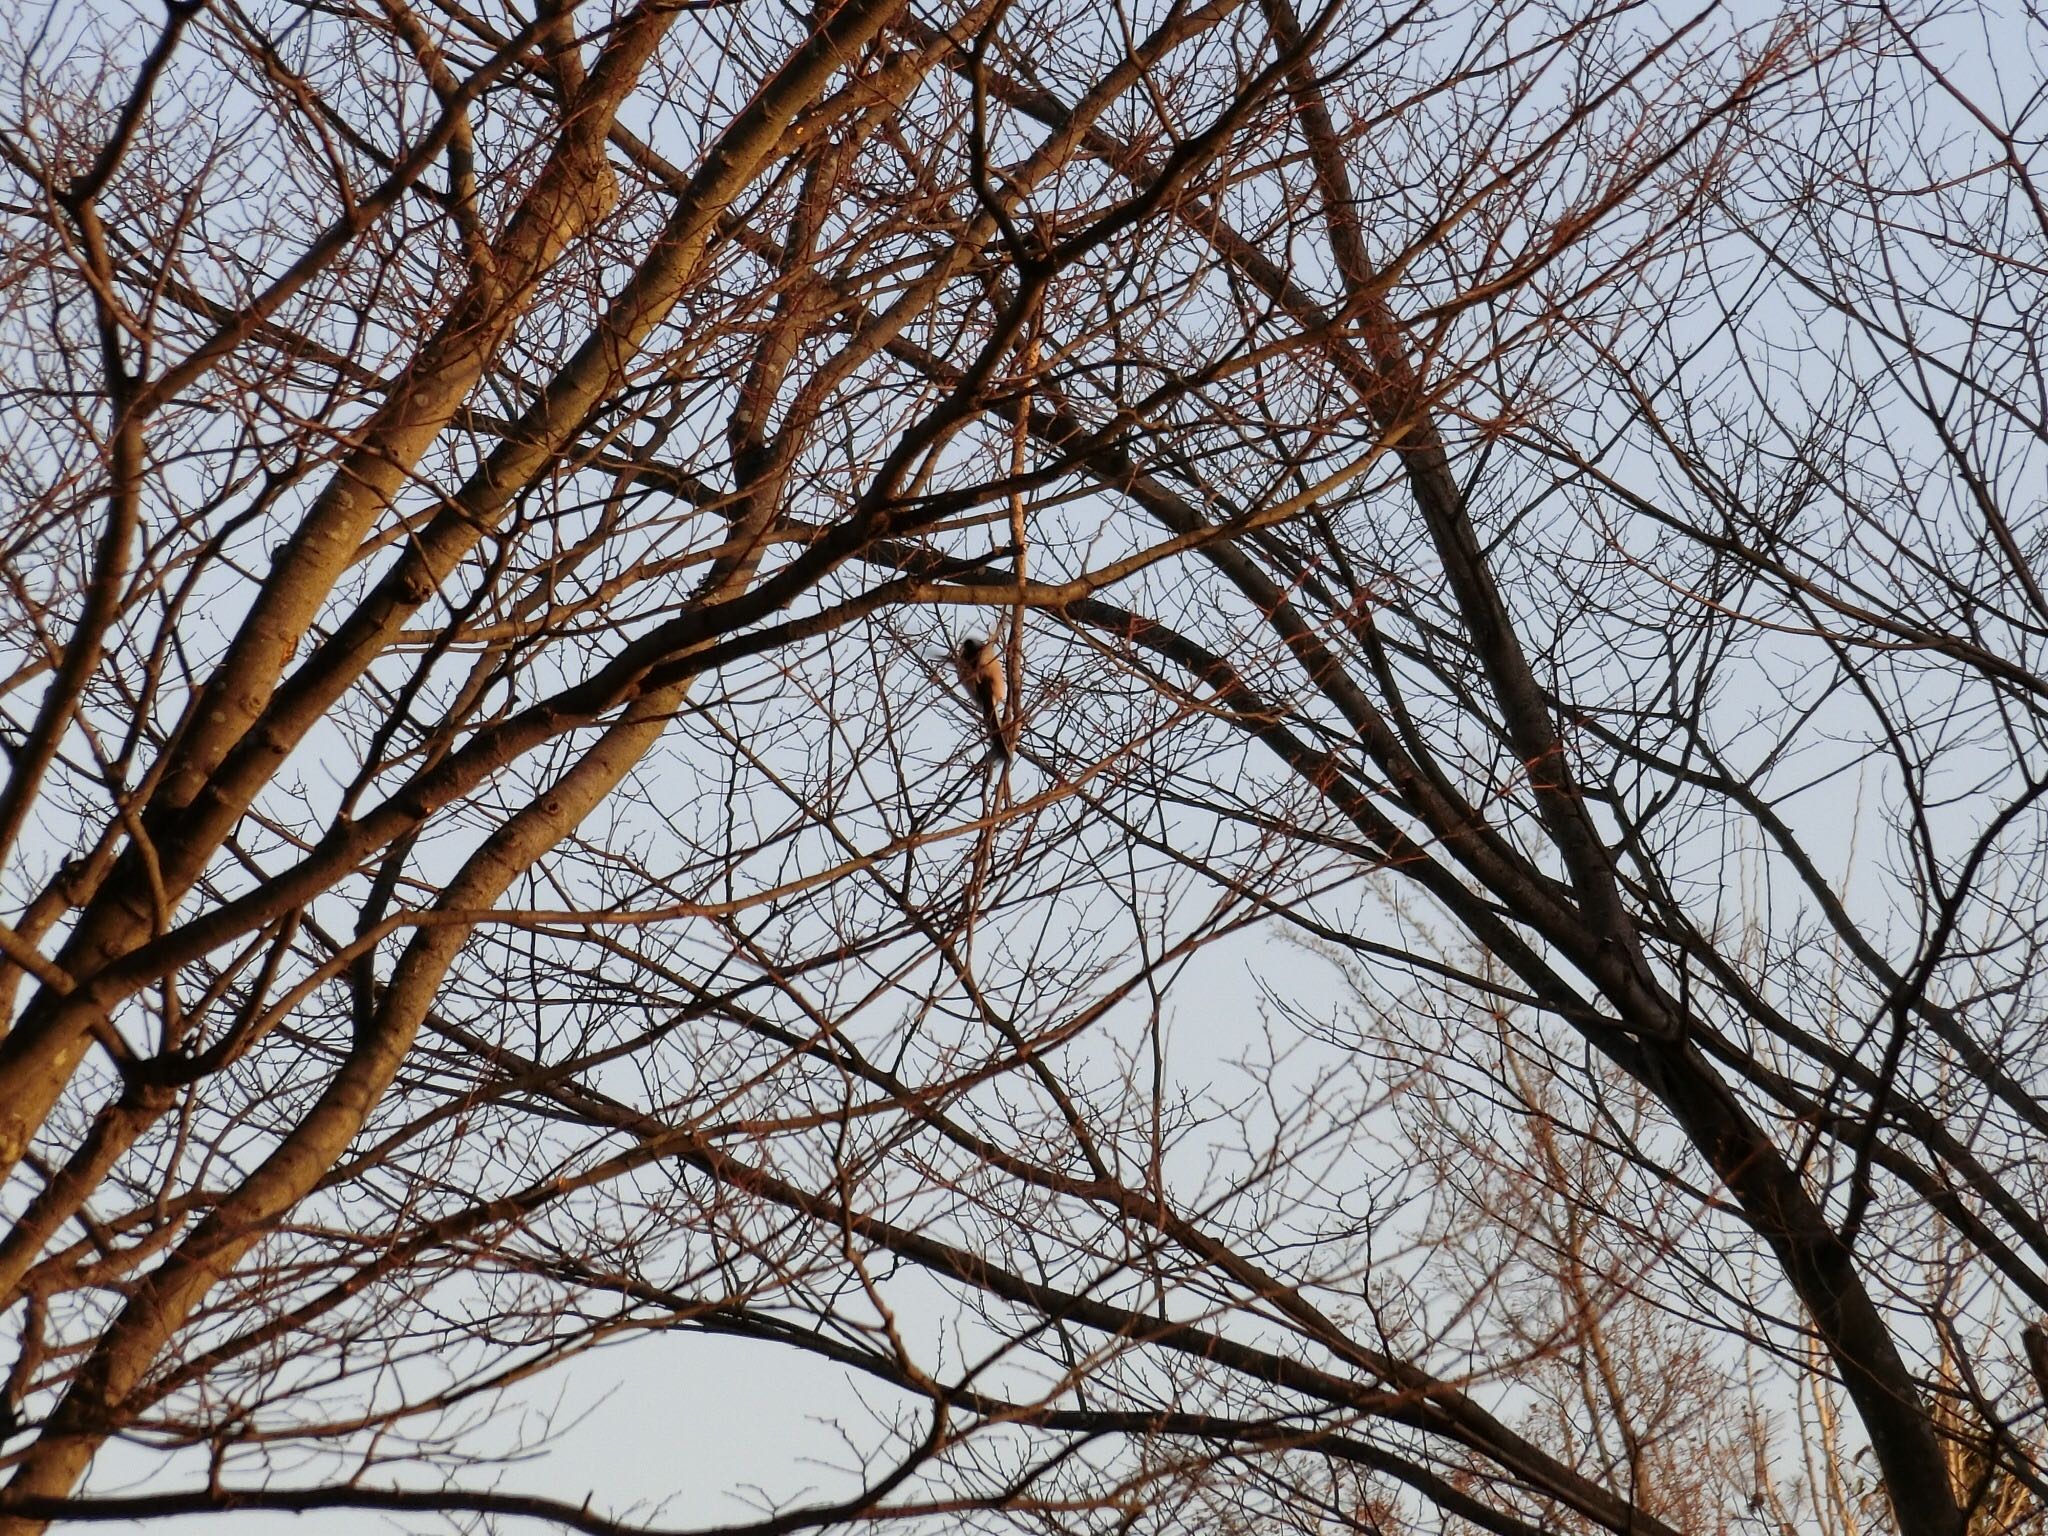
1497, 988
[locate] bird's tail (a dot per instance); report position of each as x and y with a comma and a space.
992, 722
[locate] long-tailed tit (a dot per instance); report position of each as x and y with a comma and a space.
980, 666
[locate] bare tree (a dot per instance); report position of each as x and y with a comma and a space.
1518, 522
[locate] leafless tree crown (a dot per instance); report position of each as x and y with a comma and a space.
1498, 986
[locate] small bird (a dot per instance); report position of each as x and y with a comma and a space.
980, 666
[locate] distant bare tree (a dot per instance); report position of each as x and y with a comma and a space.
1531, 514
